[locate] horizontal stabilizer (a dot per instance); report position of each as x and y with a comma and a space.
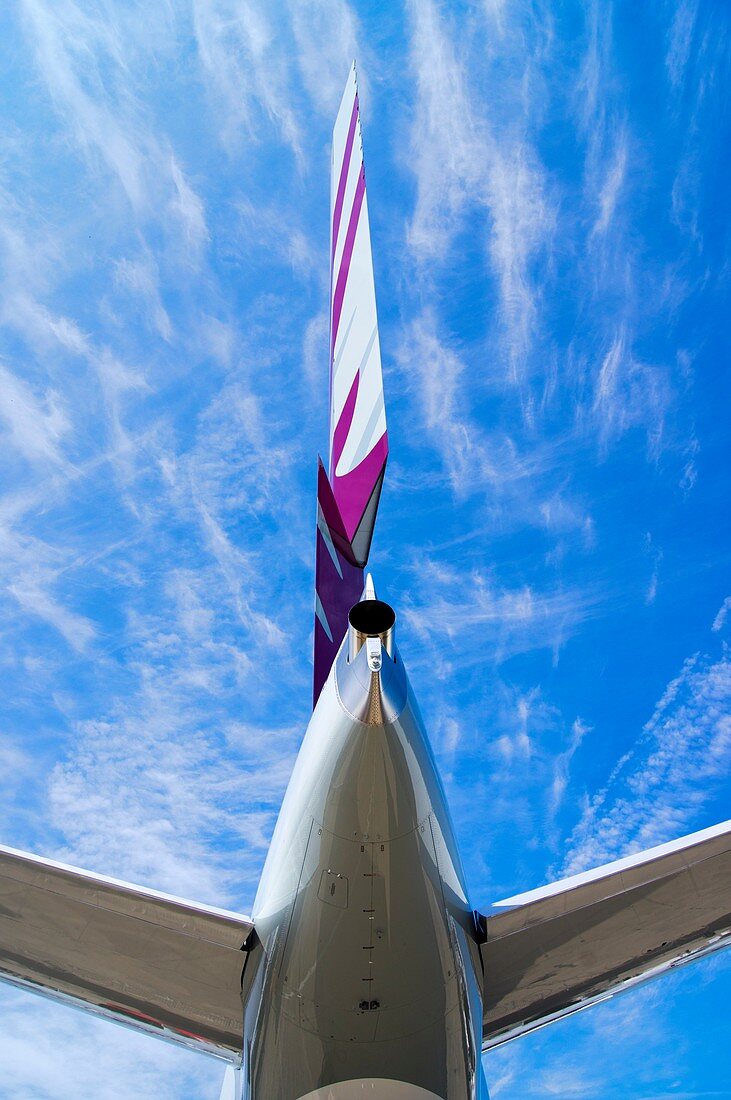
154, 962
557, 949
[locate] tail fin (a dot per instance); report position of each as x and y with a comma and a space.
348, 498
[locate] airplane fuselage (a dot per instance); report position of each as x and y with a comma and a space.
368, 972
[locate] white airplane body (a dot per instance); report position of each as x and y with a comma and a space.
364, 970
368, 940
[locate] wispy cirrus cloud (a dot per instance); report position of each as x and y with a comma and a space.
463, 163
630, 394
440, 373
327, 38
141, 277
476, 158
35, 426
562, 764
33, 596
247, 73
515, 472
720, 620
93, 67
458, 608
189, 210
82, 1062
680, 40
70, 42
611, 189
658, 790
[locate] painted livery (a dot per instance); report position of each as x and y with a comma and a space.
364, 972
348, 494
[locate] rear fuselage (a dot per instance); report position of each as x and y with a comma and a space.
368, 971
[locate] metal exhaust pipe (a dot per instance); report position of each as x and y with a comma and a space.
374, 620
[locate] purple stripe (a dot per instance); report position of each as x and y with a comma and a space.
346, 258
337, 591
338, 208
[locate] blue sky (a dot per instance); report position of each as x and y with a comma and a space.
549, 207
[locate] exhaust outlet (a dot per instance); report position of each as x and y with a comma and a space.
371, 690
371, 621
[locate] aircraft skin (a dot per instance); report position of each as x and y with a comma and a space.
369, 950
369, 961
364, 973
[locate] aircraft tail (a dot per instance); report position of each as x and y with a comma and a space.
347, 496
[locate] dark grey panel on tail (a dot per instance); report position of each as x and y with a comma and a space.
363, 536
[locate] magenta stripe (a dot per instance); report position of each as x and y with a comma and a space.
342, 428
340, 196
352, 491
346, 258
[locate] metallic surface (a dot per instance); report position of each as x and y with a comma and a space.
370, 1089
562, 947
145, 959
369, 968
366, 695
371, 618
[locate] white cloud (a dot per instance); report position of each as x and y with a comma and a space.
33, 597
189, 208
164, 787
516, 475
70, 42
80, 1060
326, 37
658, 790
462, 164
630, 394
720, 621
95, 65
276, 232
142, 278
656, 555
245, 70
611, 189
444, 405
468, 618
680, 40
562, 764
621, 284
36, 426
315, 348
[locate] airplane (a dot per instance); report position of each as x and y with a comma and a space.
364, 970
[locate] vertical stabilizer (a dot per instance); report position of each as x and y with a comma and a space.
348, 494
358, 439
338, 583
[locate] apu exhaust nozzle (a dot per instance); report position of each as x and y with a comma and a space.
369, 678
371, 621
